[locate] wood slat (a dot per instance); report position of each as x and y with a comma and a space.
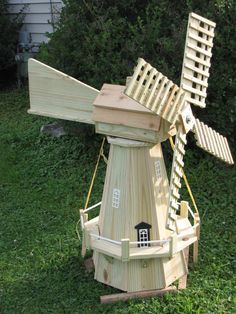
197, 70
194, 90
201, 40
196, 61
212, 142
200, 50
176, 175
195, 80
202, 30
202, 19
154, 91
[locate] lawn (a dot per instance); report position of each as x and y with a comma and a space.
43, 184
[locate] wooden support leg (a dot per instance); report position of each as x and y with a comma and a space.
195, 245
105, 299
183, 280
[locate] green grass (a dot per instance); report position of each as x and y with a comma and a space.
44, 182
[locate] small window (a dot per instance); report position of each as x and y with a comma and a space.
158, 169
116, 198
143, 237
143, 234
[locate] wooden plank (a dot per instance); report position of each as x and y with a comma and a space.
200, 50
128, 132
55, 94
183, 280
198, 60
106, 299
125, 250
202, 19
195, 246
126, 118
195, 80
113, 97
132, 82
173, 244
184, 209
211, 141
157, 91
202, 30
196, 69
201, 40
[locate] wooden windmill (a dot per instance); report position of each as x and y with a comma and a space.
143, 230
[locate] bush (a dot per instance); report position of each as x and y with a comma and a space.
99, 41
8, 41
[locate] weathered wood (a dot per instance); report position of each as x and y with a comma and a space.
106, 299
55, 94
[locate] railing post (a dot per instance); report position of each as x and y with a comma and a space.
83, 218
184, 209
125, 250
173, 244
197, 233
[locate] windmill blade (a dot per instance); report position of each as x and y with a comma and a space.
196, 61
212, 142
55, 94
155, 91
176, 175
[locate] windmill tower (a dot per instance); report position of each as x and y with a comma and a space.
143, 230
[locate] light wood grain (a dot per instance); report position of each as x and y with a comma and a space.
55, 94
196, 61
212, 142
154, 91
107, 299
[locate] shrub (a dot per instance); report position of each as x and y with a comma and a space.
98, 41
8, 41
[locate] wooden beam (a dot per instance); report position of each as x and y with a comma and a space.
195, 245
106, 299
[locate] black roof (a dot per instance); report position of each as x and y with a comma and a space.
143, 225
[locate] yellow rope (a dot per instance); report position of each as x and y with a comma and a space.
185, 180
95, 172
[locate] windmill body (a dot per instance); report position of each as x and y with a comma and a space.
142, 234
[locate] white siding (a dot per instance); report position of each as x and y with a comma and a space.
38, 16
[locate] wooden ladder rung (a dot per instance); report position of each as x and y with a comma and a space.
201, 40
202, 30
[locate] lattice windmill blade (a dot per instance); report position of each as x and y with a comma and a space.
175, 179
212, 142
155, 91
196, 61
